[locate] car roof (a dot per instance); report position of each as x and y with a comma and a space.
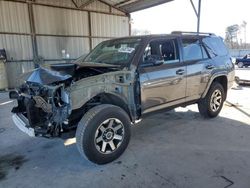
172, 35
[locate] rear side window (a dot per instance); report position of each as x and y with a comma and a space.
192, 50
215, 46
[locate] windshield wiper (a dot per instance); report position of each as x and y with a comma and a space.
95, 64
106, 63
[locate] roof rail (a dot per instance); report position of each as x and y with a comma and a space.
191, 33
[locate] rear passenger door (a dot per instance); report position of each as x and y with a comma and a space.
198, 65
162, 85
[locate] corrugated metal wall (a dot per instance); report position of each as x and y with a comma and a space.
18, 47
51, 29
69, 29
109, 25
52, 47
15, 70
59, 21
14, 18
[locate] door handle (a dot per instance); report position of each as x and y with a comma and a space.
210, 67
180, 71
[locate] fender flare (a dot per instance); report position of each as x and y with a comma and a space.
112, 98
214, 76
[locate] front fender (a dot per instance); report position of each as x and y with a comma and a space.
116, 83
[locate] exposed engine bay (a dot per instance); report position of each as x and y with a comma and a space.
44, 100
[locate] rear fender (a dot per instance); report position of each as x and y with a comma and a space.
214, 76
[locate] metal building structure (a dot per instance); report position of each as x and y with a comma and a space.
51, 31
197, 12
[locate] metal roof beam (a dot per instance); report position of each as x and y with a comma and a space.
141, 4
73, 1
124, 3
86, 3
112, 6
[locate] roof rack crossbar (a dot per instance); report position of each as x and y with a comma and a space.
187, 32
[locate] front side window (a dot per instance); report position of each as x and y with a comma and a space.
164, 50
192, 50
115, 52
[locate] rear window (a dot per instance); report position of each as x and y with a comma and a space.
215, 46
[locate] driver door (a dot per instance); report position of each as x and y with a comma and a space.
162, 85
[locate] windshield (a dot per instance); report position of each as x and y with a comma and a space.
114, 52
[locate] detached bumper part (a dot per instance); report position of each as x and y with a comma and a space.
23, 126
241, 81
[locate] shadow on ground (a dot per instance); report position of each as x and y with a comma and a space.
171, 149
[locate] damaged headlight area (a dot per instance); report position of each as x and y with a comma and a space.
43, 108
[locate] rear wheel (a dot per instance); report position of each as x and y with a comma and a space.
103, 133
212, 104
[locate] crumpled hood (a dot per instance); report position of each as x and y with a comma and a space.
44, 76
59, 72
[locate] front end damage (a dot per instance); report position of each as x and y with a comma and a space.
42, 110
43, 103
51, 103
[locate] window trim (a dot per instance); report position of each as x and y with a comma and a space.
177, 50
205, 50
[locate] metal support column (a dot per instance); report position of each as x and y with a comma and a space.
130, 25
197, 13
90, 31
33, 30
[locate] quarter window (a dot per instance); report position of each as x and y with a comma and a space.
215, 46
192, 50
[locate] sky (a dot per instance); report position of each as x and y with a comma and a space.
178, 15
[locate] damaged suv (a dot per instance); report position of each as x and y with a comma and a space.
98, 97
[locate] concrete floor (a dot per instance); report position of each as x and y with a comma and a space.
171, 149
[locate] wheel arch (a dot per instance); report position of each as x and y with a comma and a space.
103, 98
116, 100
222, 79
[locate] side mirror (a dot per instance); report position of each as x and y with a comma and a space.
152, 60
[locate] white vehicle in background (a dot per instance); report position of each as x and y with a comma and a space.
242, 76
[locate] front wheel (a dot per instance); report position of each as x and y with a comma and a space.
103, 133
211, 105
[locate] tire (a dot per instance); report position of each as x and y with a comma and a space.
97, 136
240, 65
206, 105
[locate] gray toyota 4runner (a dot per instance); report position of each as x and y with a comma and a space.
98, 97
